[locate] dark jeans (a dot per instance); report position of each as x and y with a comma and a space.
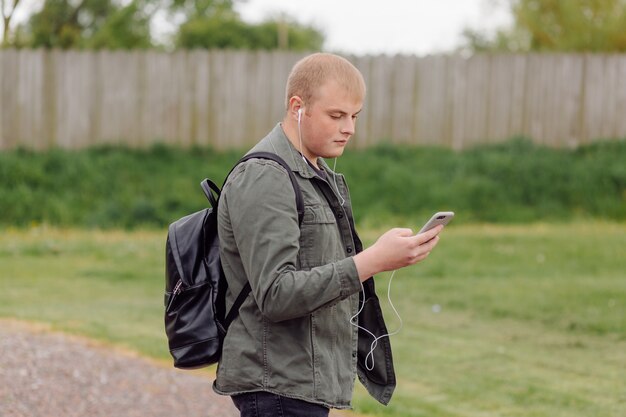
265, 404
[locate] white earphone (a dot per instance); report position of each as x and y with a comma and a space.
300, 133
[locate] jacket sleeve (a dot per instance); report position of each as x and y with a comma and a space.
264, 221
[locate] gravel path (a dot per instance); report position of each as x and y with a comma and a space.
47, 374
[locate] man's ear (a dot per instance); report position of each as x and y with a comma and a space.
296, 108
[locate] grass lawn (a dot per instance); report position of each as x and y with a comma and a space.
499, 321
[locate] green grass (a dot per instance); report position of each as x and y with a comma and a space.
499, 321
105, 285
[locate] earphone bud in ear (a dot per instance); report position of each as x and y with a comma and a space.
299, 114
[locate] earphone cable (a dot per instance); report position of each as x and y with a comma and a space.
343, 200
370, 356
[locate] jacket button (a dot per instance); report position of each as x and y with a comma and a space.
349, 249
340, 215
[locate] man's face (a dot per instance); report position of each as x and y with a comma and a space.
328, 122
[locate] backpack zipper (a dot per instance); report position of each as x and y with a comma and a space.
177, 290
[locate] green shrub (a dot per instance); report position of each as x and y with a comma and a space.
511, 182
515, 181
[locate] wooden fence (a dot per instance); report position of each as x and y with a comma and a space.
226, 99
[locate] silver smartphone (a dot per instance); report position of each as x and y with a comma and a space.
441, 217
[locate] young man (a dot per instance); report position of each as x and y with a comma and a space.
295, 348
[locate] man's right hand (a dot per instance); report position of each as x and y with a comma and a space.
396, 249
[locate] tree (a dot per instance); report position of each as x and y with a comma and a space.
8, 9
126, 28
231, 32
215, 24
87, 24
284, 33
196, 8
558, 25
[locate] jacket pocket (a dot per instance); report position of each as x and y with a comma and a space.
319, 237
318, 214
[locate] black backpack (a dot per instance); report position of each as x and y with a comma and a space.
195, 287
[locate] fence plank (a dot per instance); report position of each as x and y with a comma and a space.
3, 131
476, 99
362, 137
610, 95
457, 99
380, 98
10, 107
592, 104
620, 99
432, 118
402, 97
30, 117
518, 91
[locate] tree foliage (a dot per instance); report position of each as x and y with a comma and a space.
231, 32
7, 9
86, 24
118, 24
558, 25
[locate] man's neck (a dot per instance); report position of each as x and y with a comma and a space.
291, 131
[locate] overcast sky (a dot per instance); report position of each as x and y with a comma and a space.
391, 26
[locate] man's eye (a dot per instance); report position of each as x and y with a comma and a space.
335, 116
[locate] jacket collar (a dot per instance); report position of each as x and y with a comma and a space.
277, 142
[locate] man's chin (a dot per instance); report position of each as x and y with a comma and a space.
332, 155
337, 151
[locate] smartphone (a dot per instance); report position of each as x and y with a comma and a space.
441, 217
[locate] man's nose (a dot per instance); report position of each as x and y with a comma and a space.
348, 126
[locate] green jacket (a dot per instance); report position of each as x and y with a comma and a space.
293, 335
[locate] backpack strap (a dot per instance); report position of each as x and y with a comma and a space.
245, 291
210, 191
292, 177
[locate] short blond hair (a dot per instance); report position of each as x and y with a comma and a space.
313, 71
